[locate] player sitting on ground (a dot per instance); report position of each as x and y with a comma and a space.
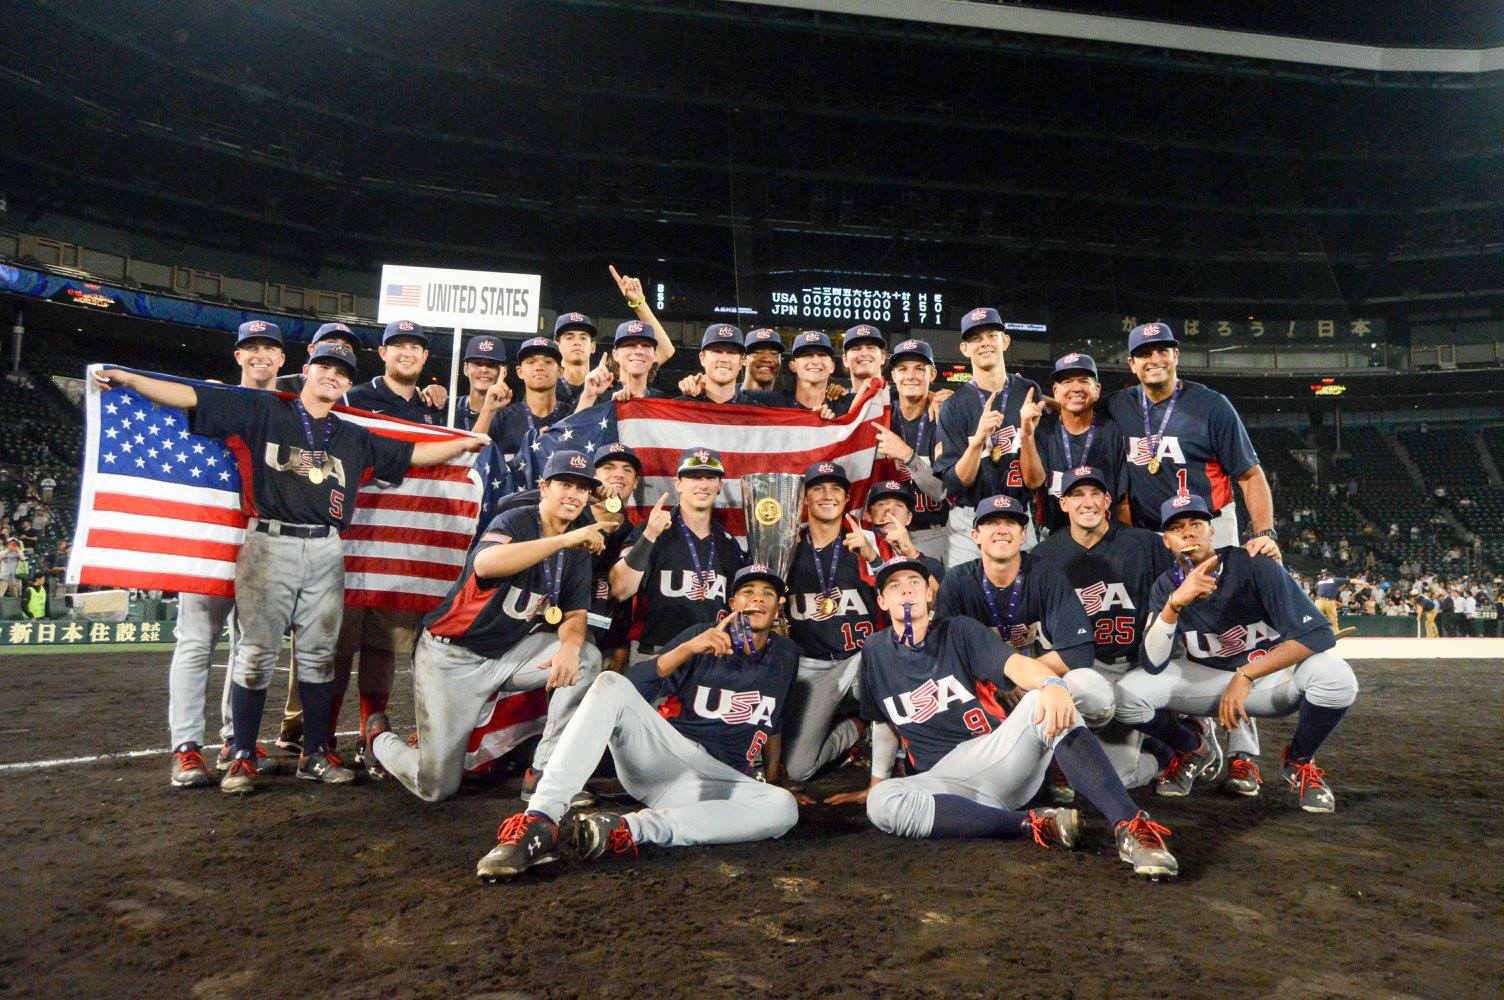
690, 761
1255, 646
514, 621
973, 766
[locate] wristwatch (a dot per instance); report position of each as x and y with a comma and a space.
1266, 533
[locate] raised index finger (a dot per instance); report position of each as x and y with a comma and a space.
661, 501
725, 623
614, 274
1207, 564
990, 400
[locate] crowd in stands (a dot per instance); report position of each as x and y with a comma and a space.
38, 498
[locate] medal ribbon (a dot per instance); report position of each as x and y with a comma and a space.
694, 552
1065, 440
1007, 388
1151, 438
1015, 592
320, 451
553, 578
827, 583
907, 638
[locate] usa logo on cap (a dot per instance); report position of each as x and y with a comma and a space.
485, 345
808, 338
977, 314
574, 317
635, 326
576, 461
1070, 359
405, 325
256, 326
702, 455
827, 467
890, 484
908, 345
1081, 470
759, 568
1180, 501
1152, 330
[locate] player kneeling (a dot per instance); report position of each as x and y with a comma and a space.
936, 684
1255, 646
690, 761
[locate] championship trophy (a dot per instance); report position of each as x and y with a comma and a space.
773, 503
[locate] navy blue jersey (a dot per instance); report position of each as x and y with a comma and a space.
668, 599
1330, 587
1113, 580
1204, 447
1256, 606
840, 634
376, 396
511, 425
1106, 453
464, 414
271, 446
939, 695
1046, 608
730, 705
489, 617
922, 435
958, 421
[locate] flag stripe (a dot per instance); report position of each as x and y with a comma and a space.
145, 562
406, 567
421, 553
155, 506
166, 528
387, 500
406, 536
130, 541
105, 576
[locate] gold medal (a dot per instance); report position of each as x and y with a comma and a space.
553, 615
827, 605
997, 453
612, 505
1154, 466
315, 475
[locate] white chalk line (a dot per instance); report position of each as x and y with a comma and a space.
38, 765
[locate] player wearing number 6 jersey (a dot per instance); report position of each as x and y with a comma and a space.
724, 688
937, 686
1255, 646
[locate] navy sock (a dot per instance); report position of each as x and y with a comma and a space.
1081, 757
1167, 726
1316, 724
1161, 750
958, 816
246, 707
318, 702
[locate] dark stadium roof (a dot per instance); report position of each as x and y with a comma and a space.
736, 142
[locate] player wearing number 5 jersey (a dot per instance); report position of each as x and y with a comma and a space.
724, 688
1255, 645
514, 621
978, 454
973, 766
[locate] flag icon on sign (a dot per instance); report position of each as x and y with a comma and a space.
402, 295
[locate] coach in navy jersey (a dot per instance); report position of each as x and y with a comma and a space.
1070, 435
1181, 438
1025, 602
832, 608
1112, 568
515, 620
936, 685
979, 432
1255, 646
910, 441
679, 562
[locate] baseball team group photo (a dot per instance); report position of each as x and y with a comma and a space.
457, 593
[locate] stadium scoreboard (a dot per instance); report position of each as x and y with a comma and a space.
834, 304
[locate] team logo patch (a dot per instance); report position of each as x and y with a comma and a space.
1081, 470
485, 345
577, 461
767, 512
495, 536
977, 314
1070, 359
1180, 501
634, 327
256, 326
909, 345
1091, 597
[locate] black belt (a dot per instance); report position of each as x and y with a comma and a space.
294, 530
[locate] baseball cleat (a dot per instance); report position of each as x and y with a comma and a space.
1054, 826
530, 778
524, 841
189, 769
227, 754
326, 768
376, 724
1059, 787
1175, 781
1141, 843
290, 744
1208, 757
241, 778
1308, 781
1243, 777
595, 834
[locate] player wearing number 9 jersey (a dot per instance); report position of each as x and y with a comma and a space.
937, 686
724, 688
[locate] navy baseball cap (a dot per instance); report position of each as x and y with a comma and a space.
912, 348
826, 472
1072, 363
896, 564
539, 345
404, 328
1083, 474
1184, 505
863, 333
573, 321
335, 330
722, 335
334, 350
980, 320
699, 461
258, 329
614, 451
758, 571
1001, 505
633, 329
486, 348
890, 488
812, 340
763, 339
1151, 335
570, 465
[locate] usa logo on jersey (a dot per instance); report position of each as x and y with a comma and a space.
927, 700
735, 708
1235, 641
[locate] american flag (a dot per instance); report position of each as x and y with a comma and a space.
405, 296
160, 508
505, 721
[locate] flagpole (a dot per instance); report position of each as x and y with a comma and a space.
454, 375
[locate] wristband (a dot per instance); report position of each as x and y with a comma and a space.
1240, 673
641, 551
635, 305
1057, 681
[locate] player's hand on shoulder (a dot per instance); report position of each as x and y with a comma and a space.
937, 400
1263, 545
434, 395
